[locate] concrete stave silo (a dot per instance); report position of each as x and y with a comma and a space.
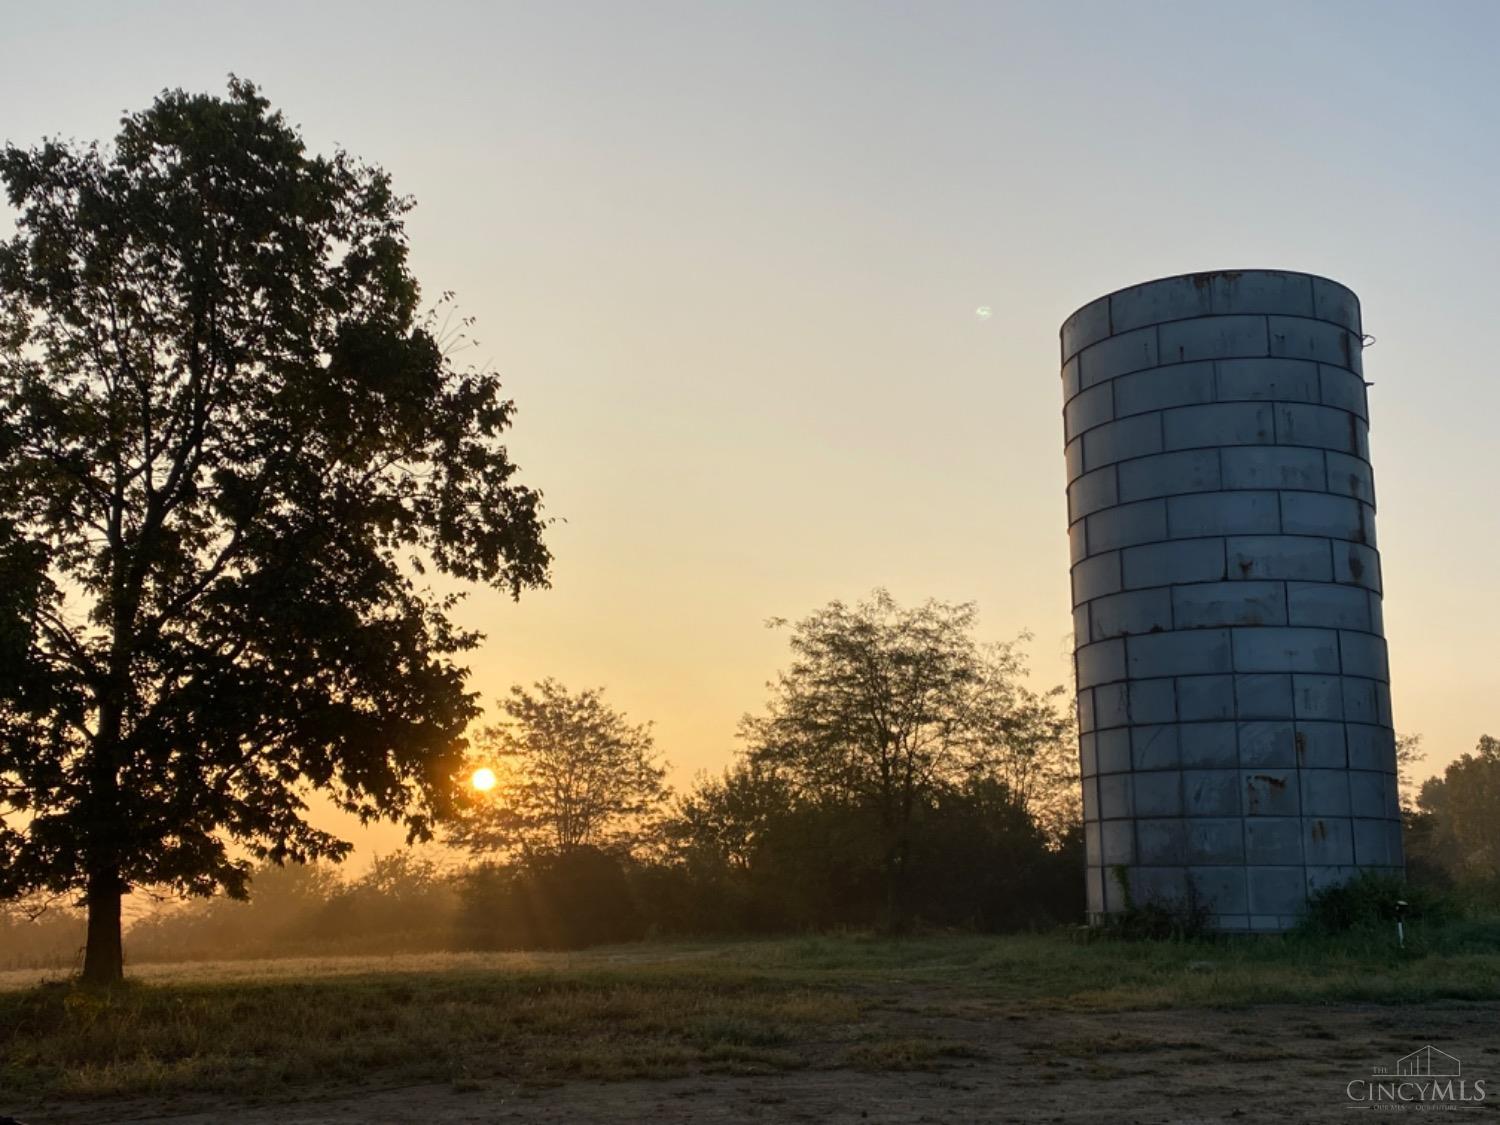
1235, 740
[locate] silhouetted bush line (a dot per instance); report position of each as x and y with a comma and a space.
981, 864
983, 867
744, 854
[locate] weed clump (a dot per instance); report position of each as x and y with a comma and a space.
1158, 919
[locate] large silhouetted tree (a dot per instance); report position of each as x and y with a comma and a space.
227, 443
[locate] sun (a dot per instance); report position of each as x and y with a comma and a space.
483, 780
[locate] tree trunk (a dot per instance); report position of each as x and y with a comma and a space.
891, 910
104, 956
896, 921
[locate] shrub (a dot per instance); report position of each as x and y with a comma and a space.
1370, 899
567, 901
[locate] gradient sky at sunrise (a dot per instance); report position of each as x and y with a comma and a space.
728, 259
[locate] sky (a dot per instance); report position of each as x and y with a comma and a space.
729, 257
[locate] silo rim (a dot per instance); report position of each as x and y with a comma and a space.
1206, 275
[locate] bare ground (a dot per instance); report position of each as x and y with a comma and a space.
938, 1055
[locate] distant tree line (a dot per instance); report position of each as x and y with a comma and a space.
900, 775
401, 903
1453, 826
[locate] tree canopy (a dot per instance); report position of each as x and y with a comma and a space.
888, 709
574, 773
230, 446
1459, 814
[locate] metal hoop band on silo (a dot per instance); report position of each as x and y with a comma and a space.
1233, 694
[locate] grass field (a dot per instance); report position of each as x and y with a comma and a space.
278, 1029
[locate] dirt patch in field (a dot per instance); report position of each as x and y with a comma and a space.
929, 1055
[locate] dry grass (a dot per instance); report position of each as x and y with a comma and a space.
271, 1028
263, 1036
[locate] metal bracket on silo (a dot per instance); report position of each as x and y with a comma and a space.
1234, 707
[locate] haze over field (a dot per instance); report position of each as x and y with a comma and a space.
730, 262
